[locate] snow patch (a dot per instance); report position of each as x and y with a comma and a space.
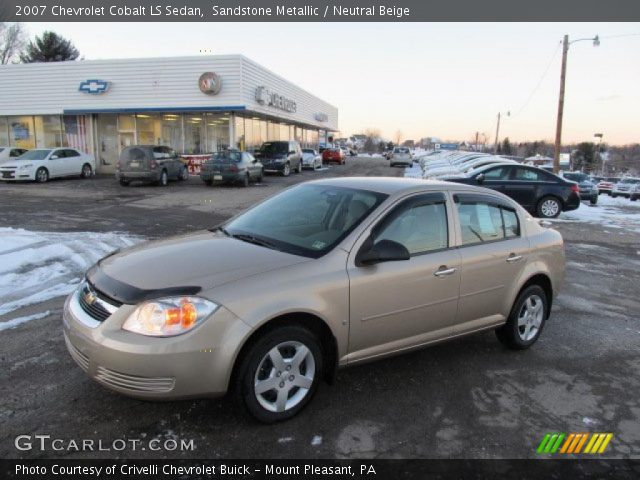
13, 323
38, 266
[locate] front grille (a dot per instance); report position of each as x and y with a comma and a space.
134, 383
94, 304
8, 174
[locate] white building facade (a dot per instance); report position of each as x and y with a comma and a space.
196, 105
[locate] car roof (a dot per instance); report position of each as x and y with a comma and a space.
393, 185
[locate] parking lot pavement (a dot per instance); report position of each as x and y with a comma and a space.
467, 398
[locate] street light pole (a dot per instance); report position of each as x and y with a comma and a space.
563, 75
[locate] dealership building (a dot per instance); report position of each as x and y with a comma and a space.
196, 105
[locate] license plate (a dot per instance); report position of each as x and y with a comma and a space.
134, 164
217, 177
7, 174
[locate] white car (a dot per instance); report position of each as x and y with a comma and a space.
311, 159
7, 153
627, 187
401, 156
44, 163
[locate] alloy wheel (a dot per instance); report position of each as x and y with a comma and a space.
284, 376
86, 171
550, 208
530, 317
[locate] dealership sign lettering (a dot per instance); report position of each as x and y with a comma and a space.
266, 97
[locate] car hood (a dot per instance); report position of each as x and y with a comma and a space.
183, 265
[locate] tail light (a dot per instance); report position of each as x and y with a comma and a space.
233, 168
575, 188
153, 164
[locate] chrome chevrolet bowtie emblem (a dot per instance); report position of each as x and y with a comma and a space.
89, 296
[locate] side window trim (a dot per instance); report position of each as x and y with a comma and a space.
491, 201
417, 200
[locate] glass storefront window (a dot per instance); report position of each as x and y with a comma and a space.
169, 131
4, 132
239, 130
108, 150
48, 131
145, 129
217, 132
126, 130
194, 138
75, 132
22, 132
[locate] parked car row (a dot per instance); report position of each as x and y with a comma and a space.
627, 187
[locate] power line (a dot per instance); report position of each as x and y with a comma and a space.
623, 35
535, 89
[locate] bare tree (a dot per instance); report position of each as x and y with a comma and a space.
398, 137
13, 39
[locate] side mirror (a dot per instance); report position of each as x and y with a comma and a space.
382, 251
54, 157
480, 178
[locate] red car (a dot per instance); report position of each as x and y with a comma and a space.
606, 185
333, 155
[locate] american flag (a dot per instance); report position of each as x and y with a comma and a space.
75, 132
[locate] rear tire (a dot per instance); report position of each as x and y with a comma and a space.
548, 207
86, 171
286, 170
184, 174
287, 384
526, 320
163, 181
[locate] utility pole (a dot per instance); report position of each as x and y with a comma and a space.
563, 76
495, 147
476, 145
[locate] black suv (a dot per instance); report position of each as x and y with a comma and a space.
281, 157
541, 193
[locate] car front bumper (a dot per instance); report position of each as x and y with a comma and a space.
195, 364
17, 175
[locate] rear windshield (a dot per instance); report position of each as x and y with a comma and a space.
401, 150
271, 148
226, 157
576, 177
134, 153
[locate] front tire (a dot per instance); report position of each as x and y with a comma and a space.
549, 207
279, 373
526, 320
184, 174
286, 170
593, 200
42, 175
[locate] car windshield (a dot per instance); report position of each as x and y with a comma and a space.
576, 176
306, 220
274, 148
226, 157
34, 155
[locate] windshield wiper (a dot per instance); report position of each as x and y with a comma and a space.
224, 230
255, 240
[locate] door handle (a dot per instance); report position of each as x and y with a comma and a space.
443, 271
514, 258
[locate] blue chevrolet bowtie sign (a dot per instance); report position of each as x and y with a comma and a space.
94, 86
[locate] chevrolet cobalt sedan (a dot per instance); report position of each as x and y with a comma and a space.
326, 274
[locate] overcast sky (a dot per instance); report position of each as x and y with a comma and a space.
424, 79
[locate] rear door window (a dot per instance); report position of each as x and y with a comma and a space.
485, 220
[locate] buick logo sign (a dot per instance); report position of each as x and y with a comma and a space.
94, 87
210, 83
266, 97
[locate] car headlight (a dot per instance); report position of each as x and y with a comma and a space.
166, 317
24, 167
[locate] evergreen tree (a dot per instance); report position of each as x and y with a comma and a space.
50, 47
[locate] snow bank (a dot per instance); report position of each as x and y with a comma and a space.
609, 212
414, 171
38, 266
